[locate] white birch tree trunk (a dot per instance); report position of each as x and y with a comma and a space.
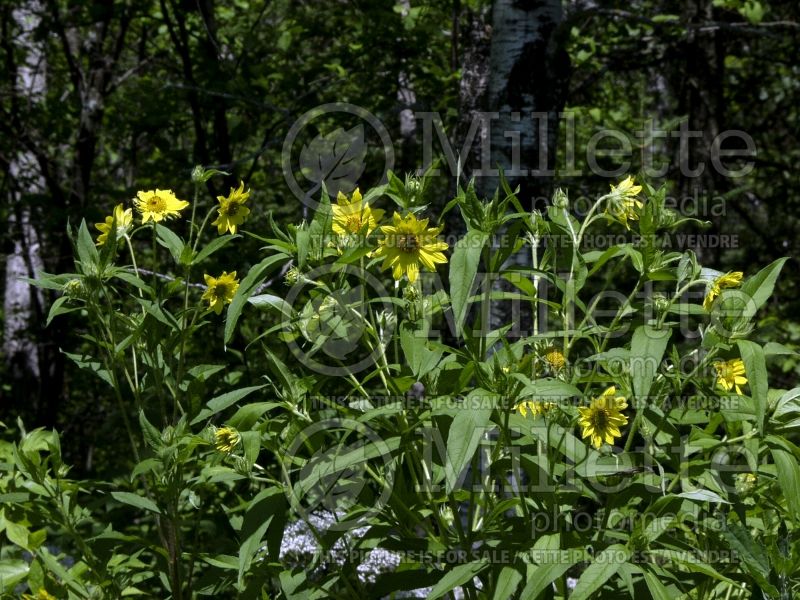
23, 305
524, 89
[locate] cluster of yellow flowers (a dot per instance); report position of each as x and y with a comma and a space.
602, 419
535, 407
407, 243
161, 205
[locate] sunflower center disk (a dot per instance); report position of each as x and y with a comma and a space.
231, 209
156, 204
354, 224
407, 242
600, 419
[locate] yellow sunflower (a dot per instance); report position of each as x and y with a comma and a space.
730, 374
732, 279
554, 358
158, 205
407, 243
121, 219
602, 419
220, 290
352, 216
535, 407
622, 202
232, 211
226, 439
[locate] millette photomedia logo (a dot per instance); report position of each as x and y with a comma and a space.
330, 146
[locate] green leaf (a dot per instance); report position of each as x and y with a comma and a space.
71, 580
12, 571
222, 402
703, 495
542, 576
414, 342
603, 567
656, 588
463, 268
750, 554
212, 247
755, 367
457, 576
170, 240
247, 415
151, 435
251, 445
87, 251
137, 501
465, 434
687, 562
759, 287
260, 513
546, 389
60, 307
788, 403
222, 561
507, 583
247, 288
776, 349
17, 534
265, 301
330, 466
647, 350
788, 472
131, 279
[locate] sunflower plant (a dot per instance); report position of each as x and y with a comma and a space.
507, 410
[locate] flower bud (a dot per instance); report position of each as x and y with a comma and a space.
198, 174
560, 199
660, 304
74, 289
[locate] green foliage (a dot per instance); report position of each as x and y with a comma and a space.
410, 423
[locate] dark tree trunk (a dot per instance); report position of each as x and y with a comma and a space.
699, 86
528, 73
